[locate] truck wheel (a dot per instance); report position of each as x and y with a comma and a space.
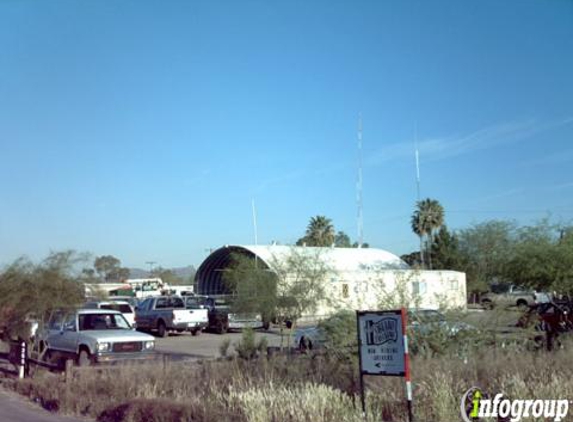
45, 352
221, 328
161, 329
522, 304
196, 332
84, 358
304, 345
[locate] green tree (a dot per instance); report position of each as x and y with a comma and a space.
109, 269
486, 249
342, 240
412, 259
167, 276
302, 277
444, 251
426, 219
253, 285
543, 258
563, 282
287, 287
29, 290
320, 232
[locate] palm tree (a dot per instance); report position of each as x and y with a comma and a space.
426, 220
319, 232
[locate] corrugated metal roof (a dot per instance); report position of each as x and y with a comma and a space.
339, 259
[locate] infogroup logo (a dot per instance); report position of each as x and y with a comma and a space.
477, 405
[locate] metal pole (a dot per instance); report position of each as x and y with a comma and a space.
418, 191
407, 366
362, 398
22, 360
359, 200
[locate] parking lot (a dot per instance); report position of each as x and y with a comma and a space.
187, 347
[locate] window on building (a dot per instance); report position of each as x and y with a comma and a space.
419, 288
345, 292
454, 284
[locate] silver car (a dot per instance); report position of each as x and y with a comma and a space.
94, 335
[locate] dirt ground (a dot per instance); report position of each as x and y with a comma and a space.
206, 345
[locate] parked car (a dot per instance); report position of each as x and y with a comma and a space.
423, 321
94, 336
132, 300
169, 313
510, 295
221, 317
116, 305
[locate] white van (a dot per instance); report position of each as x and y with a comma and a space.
122, 306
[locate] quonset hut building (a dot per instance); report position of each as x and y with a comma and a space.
357, 278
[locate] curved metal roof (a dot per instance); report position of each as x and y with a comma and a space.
339, 259
209, 277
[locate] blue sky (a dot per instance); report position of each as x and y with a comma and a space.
144, 129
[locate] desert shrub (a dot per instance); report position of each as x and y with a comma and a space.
262, 345
32, 291
224, 347
303, 402
149, 410
340, 330
246, 347
296, 388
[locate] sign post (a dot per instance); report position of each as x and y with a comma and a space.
383, 349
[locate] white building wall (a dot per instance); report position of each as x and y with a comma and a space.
391, 289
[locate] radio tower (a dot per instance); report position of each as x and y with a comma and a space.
359, 185
418, 188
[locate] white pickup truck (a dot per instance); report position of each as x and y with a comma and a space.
168, 313
510, 295
93, 335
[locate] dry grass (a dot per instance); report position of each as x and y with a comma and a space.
298, 388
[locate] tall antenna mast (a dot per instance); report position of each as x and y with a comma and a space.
418, 188
417, 162
359, 185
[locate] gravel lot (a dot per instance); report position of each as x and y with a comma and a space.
188, 347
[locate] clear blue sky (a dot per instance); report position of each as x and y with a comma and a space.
144, 129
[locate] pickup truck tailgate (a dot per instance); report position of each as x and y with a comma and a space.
190, 315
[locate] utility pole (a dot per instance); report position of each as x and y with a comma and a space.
151, 264
360, 220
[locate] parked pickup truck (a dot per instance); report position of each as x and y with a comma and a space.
220, 317
93, 335
168, 313
510, 295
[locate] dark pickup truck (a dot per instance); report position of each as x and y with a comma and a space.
221, 318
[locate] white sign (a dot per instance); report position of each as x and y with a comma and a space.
381, 343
